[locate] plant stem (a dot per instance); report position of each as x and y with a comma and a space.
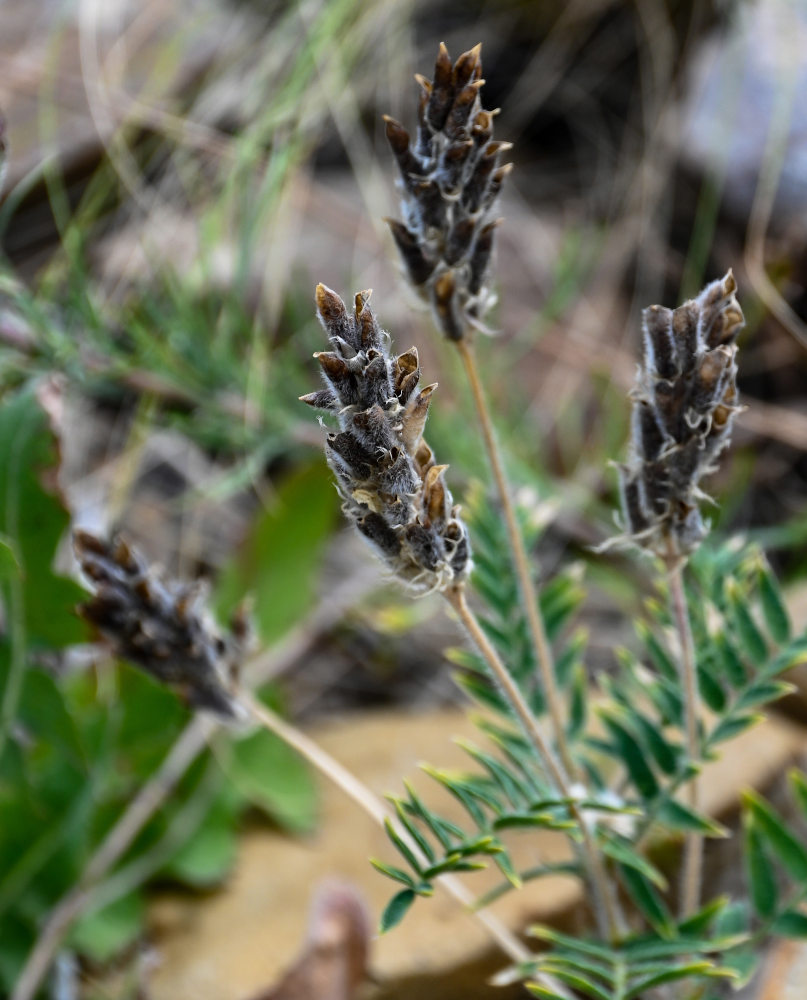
526, 585
375, 808
693, 844
605, 904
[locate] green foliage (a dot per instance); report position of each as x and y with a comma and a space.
744, 642
600, 972
76, 745
291, 532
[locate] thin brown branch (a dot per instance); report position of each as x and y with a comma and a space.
529, 595
692, 869
604, 898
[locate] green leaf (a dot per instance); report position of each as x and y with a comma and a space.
750, 637
621, 851
733, 726
730, 659
578, 710
543, 992
275, 779
647, 901
733, 920
9, 560
677, 816
578, 982
33, 521
404, 849
396, 874
761, 879
572, 944
791, 924
712, 693
396, 910
603, 971
509, 784
670, 975
103, 934
787, 848
762, 693
798, 787
632, 756
659, 656
411, 827
281, 557
700, 921
663, 752
773, 605
209, 855
539, 821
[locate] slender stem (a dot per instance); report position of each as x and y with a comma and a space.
605, 903
375, 808
693, 845
529, 594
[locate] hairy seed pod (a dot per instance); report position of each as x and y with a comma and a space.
450, 179
161, 625
391, 488
685, 401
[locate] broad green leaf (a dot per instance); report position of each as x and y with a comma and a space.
280, 559
210, 853
791, 924
33, 520
103, 934
17, 937
787, 848
275, 779
396, 909
761, 878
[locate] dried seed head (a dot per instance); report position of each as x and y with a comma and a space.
390, 486
684, 404
449, 180
161, 625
